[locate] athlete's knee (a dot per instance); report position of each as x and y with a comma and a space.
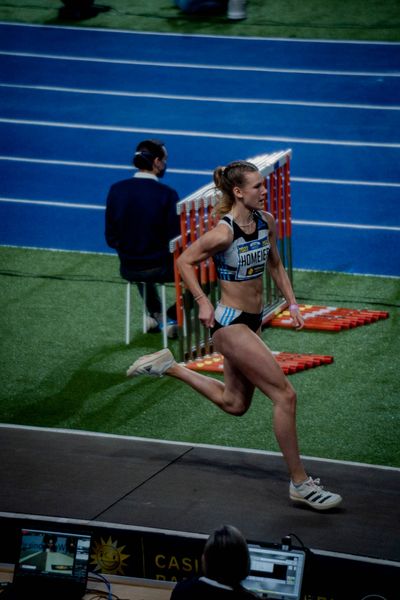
290, 398
235, 407
287, 398
290, 392
239, 411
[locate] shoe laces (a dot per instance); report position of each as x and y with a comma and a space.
316, 483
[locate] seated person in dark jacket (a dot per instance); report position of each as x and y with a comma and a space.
141, 219
225, 563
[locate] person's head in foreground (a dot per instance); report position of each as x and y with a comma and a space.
226, 557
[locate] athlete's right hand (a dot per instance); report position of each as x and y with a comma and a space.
206, 312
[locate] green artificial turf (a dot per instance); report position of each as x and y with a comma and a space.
313, 19
63, 357
63, 361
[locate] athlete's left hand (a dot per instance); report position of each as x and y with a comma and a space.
298, 321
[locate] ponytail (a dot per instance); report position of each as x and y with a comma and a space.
226, 178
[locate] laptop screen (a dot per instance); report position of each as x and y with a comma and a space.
275, 573
52, 561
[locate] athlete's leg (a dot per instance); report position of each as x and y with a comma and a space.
248, 363
233, 396
244, 351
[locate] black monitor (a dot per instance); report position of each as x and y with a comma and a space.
275, 573
51, 563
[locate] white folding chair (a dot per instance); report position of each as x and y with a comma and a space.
144, 313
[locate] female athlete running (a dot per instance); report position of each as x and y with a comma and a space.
242, 245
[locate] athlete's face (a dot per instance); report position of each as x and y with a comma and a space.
252, 192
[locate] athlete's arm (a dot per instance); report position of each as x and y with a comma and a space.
205, 247
280, 276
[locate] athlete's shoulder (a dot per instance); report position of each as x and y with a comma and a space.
217, 239
226, 218
223, 229
265, 216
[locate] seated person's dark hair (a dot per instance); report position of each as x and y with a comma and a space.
226, 557
146, 152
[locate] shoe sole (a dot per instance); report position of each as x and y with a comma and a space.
315, 505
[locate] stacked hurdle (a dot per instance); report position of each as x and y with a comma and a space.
289, 362
330, 318
196, 217
196, 214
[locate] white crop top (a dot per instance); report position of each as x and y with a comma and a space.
246, 257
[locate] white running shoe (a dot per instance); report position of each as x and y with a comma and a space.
312, 493
155, 364
172, 329
172, 326
152, 325
236, 9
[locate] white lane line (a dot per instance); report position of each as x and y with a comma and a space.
73, 163
102, 207
84, 433
242, 39
302, 222
184, 98
52, 203
208, 67
200, 134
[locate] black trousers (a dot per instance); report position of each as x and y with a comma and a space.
162, 274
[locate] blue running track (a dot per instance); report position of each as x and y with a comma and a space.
74, 103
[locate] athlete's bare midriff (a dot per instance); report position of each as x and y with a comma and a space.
243, 295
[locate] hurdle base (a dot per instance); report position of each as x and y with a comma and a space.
289, 362
329, 318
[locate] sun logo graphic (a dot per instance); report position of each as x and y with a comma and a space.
108, 558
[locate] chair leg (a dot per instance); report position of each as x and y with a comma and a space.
128, 314
164, 315
144, 316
